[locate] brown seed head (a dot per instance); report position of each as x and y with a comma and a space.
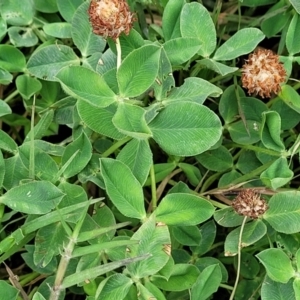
248, 203
263, 73
109, 18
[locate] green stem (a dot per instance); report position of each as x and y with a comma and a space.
31, 155
11, 96
119, 53
252, 174
115, 146
28, 278
153, 188
66, 256
239, 259
217, 204
254, 148
209, 181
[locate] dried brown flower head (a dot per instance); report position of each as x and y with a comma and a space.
248, 203
263, 73
109, 18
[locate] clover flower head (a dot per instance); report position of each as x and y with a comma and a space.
249, 203
262, 73
109, 18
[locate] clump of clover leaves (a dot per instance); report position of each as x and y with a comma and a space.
155, 128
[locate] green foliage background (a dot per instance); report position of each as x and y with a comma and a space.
117, 181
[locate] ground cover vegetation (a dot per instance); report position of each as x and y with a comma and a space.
149, 149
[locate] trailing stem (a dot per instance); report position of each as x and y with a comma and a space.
239, 259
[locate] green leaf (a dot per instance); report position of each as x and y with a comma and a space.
115, 286
15, 14
7, 143
12, 59
227, 178
187, 235
204, 31
290, 97
85, 40
15, 172
137, 155
271, 130
170, 19
284, 211
49, 242
8, 291
91, 115
67, 212
278, 174
192, 173
245, 134
130, 42
194, 89
22, 36
250, 266
254, 3
38, 296
161, 171
292, 36
87, 85
118, 181
144, 293
277, 263
248, 162
47, 7
107, 62
296, 5
130, 120
296, 286
252, 233
208, 234
79, 277
27, 86
45, 168
155, 291
40, 129
181, 49
182, 209
183, 277
61, 30
252, 108
5, 77
33, 198
297, 256
289, 117
164, 80
138, 71
218, 159
46, 62
154, 239
227, 217
228, 106
3, 28
186, 128
216, 66
241, 43
207, 283
204, 262
2, 169
67, 8
83, 149
276, 19
277, 291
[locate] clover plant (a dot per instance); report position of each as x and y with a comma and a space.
149, 149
